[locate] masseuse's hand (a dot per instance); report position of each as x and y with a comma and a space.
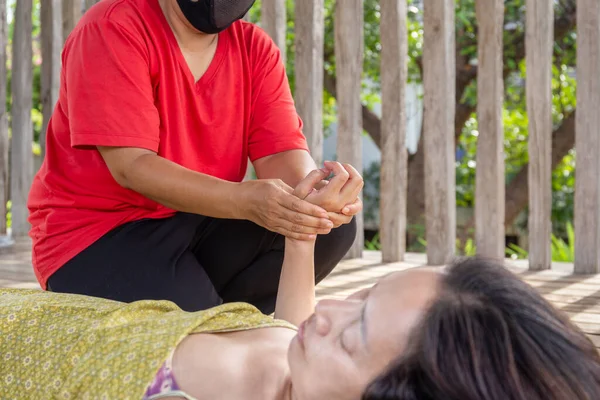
272, 204
339, 196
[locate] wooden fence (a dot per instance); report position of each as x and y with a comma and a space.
439, 59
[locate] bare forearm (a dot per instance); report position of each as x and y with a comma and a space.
181, 189
296, 294
289, 166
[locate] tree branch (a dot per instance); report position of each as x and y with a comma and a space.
467, 73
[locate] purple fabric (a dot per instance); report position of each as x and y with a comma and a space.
163, 382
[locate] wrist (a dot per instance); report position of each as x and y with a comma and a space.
240, 198
301, 246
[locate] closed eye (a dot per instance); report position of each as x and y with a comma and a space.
353, 325
343, 342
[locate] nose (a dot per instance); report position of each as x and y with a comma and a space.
331, 314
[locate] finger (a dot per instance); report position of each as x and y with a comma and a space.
307, 184
353, 208
339, 219
285, 187
322, 184
354, 184
352, 172
292, 202
295, 228
297, 236
340, 176
353, 197
307, 220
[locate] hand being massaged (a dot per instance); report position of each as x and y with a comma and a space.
334, 195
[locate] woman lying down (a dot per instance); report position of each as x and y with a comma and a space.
474, 331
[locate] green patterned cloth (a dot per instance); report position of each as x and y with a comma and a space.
61, 346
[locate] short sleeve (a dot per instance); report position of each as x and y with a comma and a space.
275, 125
109, 91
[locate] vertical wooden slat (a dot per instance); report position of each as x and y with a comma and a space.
52, 42
438, 129
4, 143
274, 21
348, 26
90, 3
22, 130
489, 182
587, 139
394, 156
538, 44
71, 10
310, 30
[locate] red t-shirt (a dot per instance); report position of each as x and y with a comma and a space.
125, 82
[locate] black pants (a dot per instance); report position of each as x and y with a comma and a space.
195, 261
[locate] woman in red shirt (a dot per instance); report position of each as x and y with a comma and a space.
140, 195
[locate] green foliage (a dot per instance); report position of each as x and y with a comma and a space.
515, 252
563, 193
564, 250
468, 249
515, 118
514, 114
371, 177
373, 244
561, 250
8, 214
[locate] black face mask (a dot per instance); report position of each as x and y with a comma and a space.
213, 16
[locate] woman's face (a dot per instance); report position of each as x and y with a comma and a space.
346, 344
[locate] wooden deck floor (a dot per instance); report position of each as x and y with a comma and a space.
576, 295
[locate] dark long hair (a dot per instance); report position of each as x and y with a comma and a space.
491, 336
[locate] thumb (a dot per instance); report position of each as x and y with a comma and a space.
307, 185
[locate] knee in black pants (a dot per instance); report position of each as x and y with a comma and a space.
258, 284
